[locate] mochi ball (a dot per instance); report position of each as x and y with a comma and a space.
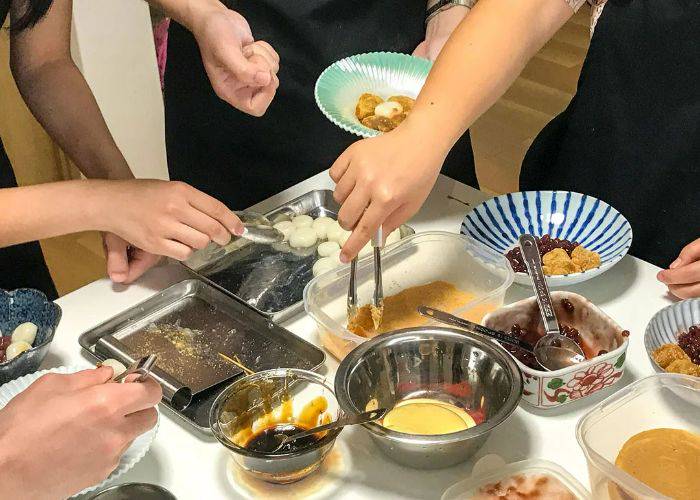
303, 237
324, 265
327, 248
26, 332
302, 221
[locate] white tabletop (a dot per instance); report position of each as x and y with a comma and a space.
193, 466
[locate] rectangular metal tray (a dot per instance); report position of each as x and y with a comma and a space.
258, 343
268, 278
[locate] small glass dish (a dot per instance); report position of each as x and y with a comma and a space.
664, 400
416, 260
271, 399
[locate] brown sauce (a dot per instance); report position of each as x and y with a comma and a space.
268, 439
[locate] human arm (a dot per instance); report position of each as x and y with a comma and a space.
39, 430
384, 180
439, 28
683, 275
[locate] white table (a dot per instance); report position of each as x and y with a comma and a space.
193, 466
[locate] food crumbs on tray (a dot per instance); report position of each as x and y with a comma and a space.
525, 487
401, 310
667, 460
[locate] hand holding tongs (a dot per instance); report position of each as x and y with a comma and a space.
378, 297
141, 366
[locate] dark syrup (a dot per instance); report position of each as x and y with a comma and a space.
270, 438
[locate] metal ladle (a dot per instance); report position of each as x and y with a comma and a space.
345, 420
553, 348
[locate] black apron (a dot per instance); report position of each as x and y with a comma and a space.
242, 159
22, 266
631, 134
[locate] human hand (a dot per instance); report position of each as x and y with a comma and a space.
242, 71
438, 30
683, 275
159, 218
44, 452
382, 181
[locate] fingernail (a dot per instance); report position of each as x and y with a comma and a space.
344, 258
661, 276
117, 277
238, 230
676, 263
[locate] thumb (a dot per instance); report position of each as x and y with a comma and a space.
251, 72
117, 258
421, 50
140, 263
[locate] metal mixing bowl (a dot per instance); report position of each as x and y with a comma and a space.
430, 362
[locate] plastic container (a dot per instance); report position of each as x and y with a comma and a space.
664, 400
492, 469
415, 260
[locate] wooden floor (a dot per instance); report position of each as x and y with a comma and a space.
500, 138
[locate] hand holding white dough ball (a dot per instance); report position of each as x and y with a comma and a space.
16, 348
302, 221
328, 248
303, 237
26, 332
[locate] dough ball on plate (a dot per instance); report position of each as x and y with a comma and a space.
334, 231
321, 226
285, 227
303, 237
328, 248
324, 265
344, 237
303, 221
26, 332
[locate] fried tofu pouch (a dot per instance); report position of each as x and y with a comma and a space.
667, 354
366, 104
585, 259
558, 262
380, 123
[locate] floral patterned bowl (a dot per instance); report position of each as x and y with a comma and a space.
544, 389
19, 306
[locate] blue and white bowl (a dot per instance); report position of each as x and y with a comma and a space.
499, 222
20, 306
666, 324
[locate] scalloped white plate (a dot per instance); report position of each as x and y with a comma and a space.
131, 456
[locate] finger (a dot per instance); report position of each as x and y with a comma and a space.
133, 397
690, 253
141, 261
217, 211
685, 291
175, 250
364, 230
268, 48
246, 71
86, 378
210, 227
397, 217
421, 50
344, 187
265, 51
353, 208
139, 423
189, 236
688, 273
260, 99
340, 166
117, 258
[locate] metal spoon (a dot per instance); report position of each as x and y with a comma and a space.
345, 420
258, 228
553, 349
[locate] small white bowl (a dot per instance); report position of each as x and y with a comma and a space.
131, 456
552, 389
666, 324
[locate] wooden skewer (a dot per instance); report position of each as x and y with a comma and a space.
238, 363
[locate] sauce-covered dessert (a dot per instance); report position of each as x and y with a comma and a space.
667, 460
401, 310
684, 357
559, 257
525, 487
384, 116
429, 417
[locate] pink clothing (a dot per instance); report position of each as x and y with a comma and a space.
160, 37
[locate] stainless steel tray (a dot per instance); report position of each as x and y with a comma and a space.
268, 278
232, 328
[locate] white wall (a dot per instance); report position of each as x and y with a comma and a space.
113, 46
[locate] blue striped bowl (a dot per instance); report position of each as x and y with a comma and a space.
498, 223
666, 324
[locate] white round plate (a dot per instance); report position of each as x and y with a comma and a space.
131, 456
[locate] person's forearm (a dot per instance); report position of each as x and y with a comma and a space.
47, 210
482, 58
187, 12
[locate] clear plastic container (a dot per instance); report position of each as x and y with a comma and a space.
492, 469
415, 260
661, 401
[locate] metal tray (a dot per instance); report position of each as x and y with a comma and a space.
268, 278
231, 325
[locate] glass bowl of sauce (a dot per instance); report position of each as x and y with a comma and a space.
251, 417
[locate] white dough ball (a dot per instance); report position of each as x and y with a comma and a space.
302, 237
334, 231
117, 366
323, 221
393, 237
366, 250
324, 265
303, 221
327, 248
16, 348
335, 256
344, 237
285, 227
26, 332
388, 109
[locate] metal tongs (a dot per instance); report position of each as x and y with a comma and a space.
141, 366
378, 297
